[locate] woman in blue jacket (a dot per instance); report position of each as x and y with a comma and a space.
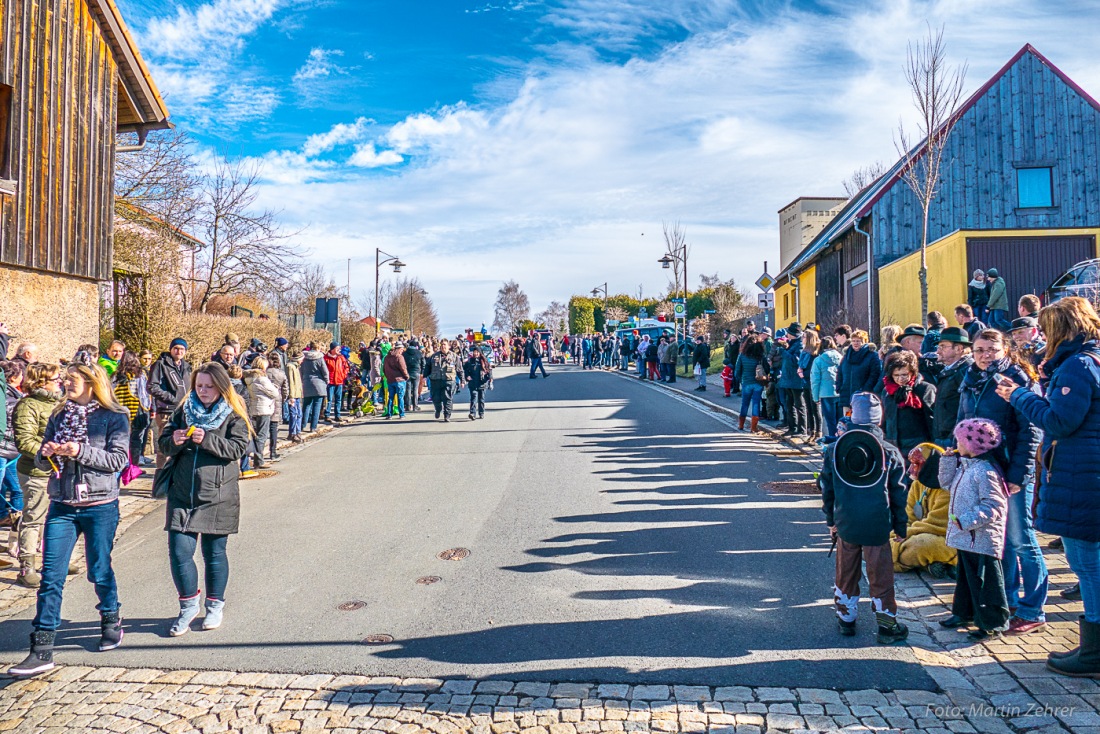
823, 384
1016, 459
1069, 499
859, 370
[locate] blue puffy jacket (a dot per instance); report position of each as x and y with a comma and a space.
977, 399
823, 374
1069, 496
788, 371
859, 371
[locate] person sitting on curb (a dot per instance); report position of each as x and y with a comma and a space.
863, 498
925, 542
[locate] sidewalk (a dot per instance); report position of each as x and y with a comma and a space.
135, 502
1006, 672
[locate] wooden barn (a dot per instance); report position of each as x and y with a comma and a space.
71, 78
1020, 191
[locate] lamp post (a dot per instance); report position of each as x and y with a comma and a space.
378, 263
596, 292
680, 254
413, 292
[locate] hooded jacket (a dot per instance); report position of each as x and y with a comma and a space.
293, 380
169, 383
977, 293
414, 361
31, 415
788, 371
314, 374
338, 368
263, 396
979, 505
865, 516
859, 371
998, 297
823, 374
1069, 415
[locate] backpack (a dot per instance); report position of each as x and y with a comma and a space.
761, 374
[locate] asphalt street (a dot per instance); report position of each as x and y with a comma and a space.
616, 533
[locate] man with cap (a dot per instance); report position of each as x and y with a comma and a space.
912, 340
954, 357
998, 300
1029, 340
790, 384
169, 383
414, 363
863, 497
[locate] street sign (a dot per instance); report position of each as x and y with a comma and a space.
710, 311
676, 300
678, 310
765, 282
612, 322
642, 313
765, 301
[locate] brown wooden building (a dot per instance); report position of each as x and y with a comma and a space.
71, 78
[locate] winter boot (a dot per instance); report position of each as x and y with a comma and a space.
40, 658
848, 629
189, 609
28, 572
110, 625
1085, 662
741, 423
752, 424
213, 618
1067, 653
890, 630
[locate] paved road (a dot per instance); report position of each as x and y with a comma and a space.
616, 533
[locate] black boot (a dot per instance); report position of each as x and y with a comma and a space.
40, 658
1073, 593
110, 625
1085, 662
848, 629
1067, 653
890, 630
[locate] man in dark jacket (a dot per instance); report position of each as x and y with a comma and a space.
443, 367
478, 377
955, 360
730, 350
793, 395
414, 363
863, 498
701, 358
964, 314
534, 351
169, 383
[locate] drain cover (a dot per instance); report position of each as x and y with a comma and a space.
454, 554
351, 606
377, 639
806, 487
426, 580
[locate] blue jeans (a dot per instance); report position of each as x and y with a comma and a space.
294, 416
998, 319
640, 363
536, 364
311, 411
335, 397
830, 411
1022, 557
11, 494
1083, 557
750, 399
624, 362
185, 575
64, 524
397, 399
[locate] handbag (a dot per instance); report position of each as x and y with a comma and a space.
761, 374
162, 480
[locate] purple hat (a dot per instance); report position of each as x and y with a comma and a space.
976, 436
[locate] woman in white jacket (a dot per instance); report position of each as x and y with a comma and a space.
263, 400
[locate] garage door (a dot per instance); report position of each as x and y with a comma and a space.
1028, 264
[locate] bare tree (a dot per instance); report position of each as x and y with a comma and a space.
616, 313
299, 294
555, 316
863, 177
408, 307
512, 306
243, 249
676, 248
937, 90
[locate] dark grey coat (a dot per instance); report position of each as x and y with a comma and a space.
203, 495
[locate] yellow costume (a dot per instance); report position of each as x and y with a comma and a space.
924, 542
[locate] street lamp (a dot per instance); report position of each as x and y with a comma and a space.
414, 292
378, 263
680, 254
596, 292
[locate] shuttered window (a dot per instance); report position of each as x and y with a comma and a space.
1034, 187
5, 132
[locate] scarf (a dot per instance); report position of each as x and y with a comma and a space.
903, 395
976, 378
74, 422
199, 416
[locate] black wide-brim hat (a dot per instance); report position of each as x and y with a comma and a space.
955, 334
859, 459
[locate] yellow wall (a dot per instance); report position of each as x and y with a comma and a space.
786, 310
784, 305
899, 284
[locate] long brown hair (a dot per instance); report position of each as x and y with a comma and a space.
102, 392
38, 374
220, 378
1067, 319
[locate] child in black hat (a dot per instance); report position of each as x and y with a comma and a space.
864, 500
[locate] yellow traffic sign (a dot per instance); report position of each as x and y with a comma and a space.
765, 282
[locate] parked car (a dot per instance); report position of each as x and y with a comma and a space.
1083, 280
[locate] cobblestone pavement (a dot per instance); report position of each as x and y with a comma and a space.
994, 688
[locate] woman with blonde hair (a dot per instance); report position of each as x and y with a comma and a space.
889, 343
204, 439
85, 446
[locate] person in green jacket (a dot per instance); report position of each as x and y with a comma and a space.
998, 300
109, 360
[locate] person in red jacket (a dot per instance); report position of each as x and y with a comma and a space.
338, 367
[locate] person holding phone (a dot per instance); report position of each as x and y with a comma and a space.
85, 446
204, 439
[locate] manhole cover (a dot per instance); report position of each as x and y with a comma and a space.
351, 606
806, 487
377, 639
262, 474
426, 580
454, 554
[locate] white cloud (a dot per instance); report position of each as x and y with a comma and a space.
319, 64
216, 27
340, 134
366, 156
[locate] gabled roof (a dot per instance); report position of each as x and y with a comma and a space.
369, 321
134, 213
140, 106
861, 204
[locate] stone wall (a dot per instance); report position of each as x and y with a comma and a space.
54, 312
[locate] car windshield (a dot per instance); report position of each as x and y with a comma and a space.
1088, 275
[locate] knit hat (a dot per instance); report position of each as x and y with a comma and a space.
178, 342
866, 409
992, 273
332, 345
281, 341
976, 436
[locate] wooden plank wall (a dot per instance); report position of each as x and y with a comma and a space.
1028, 116
64, 105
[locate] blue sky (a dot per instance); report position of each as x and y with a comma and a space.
546, 141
